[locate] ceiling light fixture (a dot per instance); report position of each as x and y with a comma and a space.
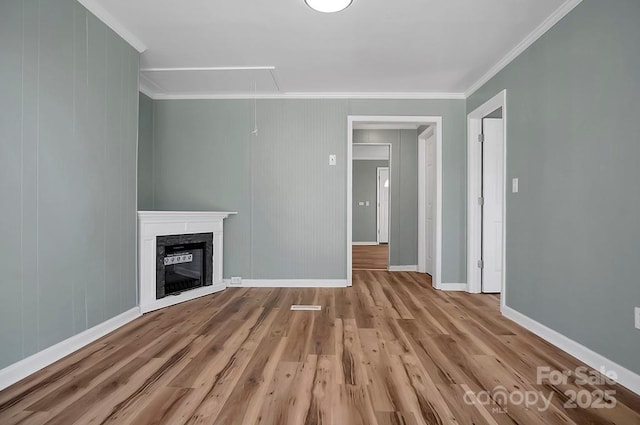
328, 6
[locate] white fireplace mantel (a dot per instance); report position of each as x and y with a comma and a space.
152, 224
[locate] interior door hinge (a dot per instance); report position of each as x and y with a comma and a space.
480, 138
480, 264
481, 201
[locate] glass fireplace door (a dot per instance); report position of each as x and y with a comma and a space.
184, 267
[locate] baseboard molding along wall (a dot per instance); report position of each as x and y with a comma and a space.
453, 287
626, 378
20, 370
403, 268
364, 243
23, 368
289, 283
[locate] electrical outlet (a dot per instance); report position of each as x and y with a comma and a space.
333, 159
236, 280
637, 310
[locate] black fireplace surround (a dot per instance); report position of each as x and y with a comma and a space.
183, 262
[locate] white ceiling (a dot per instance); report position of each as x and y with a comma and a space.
374, 46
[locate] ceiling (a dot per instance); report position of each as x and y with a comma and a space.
283, 47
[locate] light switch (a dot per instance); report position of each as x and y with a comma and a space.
366, 203
514, 185
361, 204
332, 159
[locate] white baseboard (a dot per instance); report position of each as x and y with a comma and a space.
364, 243
185, 296
453, 287
20, 370
289, 283
403, 268
626, 378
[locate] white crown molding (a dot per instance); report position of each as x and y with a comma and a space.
545, 26
109, 20
310, 95
148, 85
20, 370
626, 377
144, 89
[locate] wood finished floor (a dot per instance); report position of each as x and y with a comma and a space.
370, 257
390, 350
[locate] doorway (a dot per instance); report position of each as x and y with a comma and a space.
371, 199
382, 204
403, 122
487, 197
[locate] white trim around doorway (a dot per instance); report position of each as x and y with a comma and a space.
378, 119
474, 191
422, 206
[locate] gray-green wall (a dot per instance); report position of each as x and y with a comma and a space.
365, 188
145, 153
68, 124
573, 231
403, 214
291, 204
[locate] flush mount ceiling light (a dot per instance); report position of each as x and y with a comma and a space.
328, 6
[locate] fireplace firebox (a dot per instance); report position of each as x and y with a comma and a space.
184, 262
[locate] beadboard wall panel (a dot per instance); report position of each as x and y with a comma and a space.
68, 131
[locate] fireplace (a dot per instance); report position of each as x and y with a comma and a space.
169, 234
183, 263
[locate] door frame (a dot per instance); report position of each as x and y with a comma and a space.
422, 202
474, 191
378, 186
389, 166
395, 119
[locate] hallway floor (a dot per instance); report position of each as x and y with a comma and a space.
371, 257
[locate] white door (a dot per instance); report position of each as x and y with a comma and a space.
430, 196
492, 193
383, 205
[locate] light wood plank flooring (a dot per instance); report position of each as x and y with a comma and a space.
370, 257
390, 350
